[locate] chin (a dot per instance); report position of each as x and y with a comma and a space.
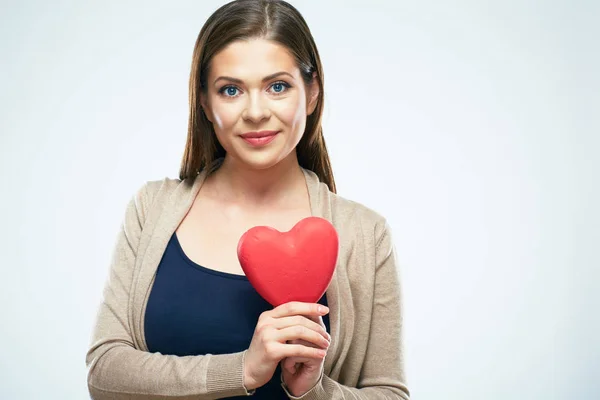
262, 159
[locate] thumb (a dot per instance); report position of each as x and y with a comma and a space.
289, 365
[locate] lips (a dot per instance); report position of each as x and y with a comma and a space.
261, 134
259, 138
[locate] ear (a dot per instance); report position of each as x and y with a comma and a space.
312, 95
205, 107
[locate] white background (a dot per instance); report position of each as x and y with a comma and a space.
473, 127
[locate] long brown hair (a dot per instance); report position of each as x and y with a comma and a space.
274, 20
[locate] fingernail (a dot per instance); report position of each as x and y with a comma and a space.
323, 309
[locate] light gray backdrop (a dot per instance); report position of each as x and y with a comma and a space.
472, 126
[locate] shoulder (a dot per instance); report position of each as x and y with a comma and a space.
352, 219
156, 192
157, 189
359, 218
366, 240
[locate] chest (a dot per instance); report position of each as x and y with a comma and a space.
209, 233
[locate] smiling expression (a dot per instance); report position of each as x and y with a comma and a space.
257, 102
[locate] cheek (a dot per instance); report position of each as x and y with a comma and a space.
292, 113
225, 115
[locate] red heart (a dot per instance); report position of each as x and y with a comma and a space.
297, 265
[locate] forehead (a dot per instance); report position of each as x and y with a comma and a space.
253, 58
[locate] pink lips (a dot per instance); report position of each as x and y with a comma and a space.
259, 138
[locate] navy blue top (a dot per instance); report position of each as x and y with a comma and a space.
193, 310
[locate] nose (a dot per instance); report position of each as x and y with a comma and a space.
256, 109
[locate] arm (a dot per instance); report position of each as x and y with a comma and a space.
382, 375
119, 371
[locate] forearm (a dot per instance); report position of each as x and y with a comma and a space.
122, 372
329, 389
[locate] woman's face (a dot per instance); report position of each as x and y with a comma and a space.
257, 102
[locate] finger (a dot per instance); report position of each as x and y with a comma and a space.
313, 338
304, 352
298, 320
302, 342
298, 308
316, 319
299, 360
301, 332
289, 364
276, 352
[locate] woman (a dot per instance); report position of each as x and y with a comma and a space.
179, 319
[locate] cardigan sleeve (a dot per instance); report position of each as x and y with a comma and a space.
119, 371
382, 374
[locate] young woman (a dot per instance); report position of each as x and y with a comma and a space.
179, 319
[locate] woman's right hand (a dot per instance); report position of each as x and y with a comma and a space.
274, 329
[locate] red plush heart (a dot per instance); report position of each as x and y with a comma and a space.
297, 265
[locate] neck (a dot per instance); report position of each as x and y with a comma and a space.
276, 184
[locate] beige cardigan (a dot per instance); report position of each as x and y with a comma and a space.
365, 358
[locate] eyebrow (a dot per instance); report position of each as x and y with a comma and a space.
266, 78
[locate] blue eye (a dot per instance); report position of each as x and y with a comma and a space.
280, 87
230, 90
